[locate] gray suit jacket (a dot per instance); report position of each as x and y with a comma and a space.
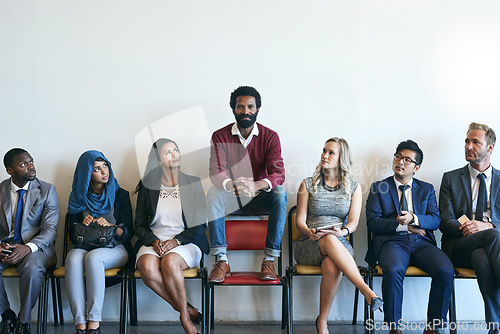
455, 200
40, 213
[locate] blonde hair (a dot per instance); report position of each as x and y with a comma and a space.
345, 163
491, 138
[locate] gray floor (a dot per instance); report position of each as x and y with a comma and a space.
243, 328
239, 328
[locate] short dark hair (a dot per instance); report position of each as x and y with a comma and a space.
8, 158
244, 91
412, 146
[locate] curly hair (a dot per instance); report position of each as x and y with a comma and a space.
345, 160
244, 91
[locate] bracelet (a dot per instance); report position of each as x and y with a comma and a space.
178, 242
346, 228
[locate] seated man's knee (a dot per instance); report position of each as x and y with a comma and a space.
393, 270
279, 193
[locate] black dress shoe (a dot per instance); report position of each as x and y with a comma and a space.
376, 304
22, 328
8, 326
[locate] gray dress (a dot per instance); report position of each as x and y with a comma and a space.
328, 206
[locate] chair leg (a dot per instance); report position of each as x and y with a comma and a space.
212, 311
355, 309
59, 302
368, 313
41, 302
54, 301
124, 304
290, 304
453, 312
284, 312
133, 301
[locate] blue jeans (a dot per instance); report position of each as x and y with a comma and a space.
221, 202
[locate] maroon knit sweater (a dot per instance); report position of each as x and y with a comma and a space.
261, 159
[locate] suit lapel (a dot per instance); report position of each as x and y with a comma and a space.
7, 203
467, 189
394, 194
495, 179
415, 198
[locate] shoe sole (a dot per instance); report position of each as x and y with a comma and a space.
219, 281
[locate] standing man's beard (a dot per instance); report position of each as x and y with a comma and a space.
245, 124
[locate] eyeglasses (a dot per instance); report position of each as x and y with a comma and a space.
406, 160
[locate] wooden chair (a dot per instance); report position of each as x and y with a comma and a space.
300, 270
111, 275
192, 273
247, 233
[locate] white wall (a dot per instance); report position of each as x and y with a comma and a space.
78, 75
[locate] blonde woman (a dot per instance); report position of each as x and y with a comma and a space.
328, 210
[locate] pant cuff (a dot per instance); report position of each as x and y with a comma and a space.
218, 250
272, 252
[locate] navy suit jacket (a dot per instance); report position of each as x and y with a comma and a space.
455, 200
382, 210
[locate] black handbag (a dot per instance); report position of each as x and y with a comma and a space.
93, 236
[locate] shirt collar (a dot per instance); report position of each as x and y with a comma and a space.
474, 172
15, 188
235, 131
410, 183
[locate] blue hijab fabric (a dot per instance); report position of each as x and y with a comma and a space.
80, 198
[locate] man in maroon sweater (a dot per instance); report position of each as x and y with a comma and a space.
247, 172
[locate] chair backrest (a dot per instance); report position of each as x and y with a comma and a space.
294, 233
248, 234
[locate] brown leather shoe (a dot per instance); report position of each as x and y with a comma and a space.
267, 272
220, 271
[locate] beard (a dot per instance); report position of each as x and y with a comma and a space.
247, 123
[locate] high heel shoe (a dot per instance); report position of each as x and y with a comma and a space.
376, 304
198, 319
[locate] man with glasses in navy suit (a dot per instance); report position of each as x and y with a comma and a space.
401, 214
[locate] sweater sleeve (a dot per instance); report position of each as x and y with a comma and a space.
274, 162
218, 161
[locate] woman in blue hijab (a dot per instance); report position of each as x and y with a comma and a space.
96, 197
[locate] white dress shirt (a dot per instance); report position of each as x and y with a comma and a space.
409, 200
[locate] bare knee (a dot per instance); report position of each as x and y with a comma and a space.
329, 268
149, 267
171, 264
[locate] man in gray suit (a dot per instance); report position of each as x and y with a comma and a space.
29, 215
470, 218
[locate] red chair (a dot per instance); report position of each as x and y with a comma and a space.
247, 233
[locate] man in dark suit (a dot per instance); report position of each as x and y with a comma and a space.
29, 215
401, 214
472, 191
